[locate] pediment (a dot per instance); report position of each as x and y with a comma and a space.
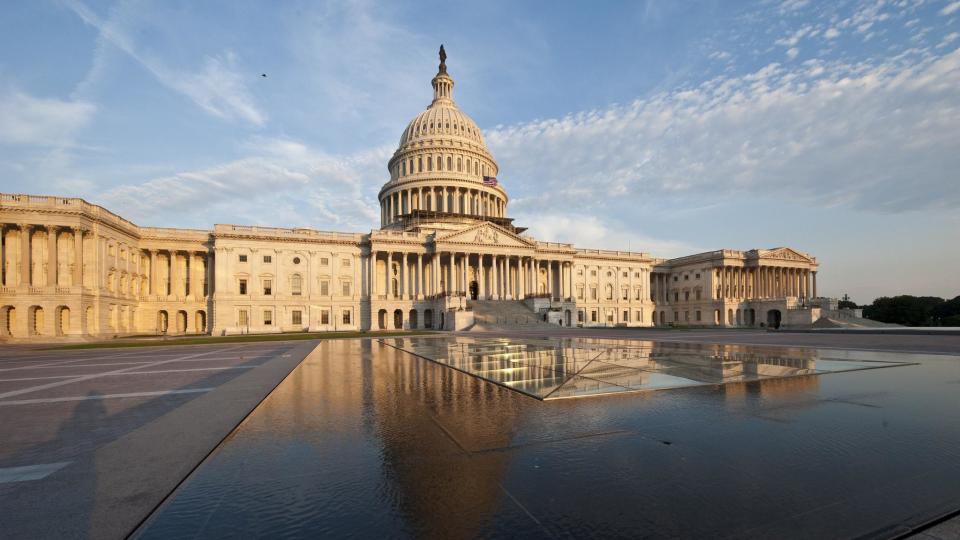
486, 234
785, 253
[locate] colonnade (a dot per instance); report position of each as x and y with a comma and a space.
736, 282
53, 261
453, 200
410, 276
179, 273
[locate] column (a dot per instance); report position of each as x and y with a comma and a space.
494, 277
435, 270
807, 275
481, 277
77, 278
372, 274
404, 277
51, 256
570, 281
25, 235
815, 284
464, 262
389, 275
550, 279
420, 283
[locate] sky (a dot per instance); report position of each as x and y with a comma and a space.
667, 127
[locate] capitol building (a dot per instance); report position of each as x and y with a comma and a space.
446, 256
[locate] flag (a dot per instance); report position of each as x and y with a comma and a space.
489, 180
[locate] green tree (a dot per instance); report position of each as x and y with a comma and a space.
905, 309
846, 303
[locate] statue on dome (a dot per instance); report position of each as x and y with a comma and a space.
443, 59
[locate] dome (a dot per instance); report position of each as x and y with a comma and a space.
442, 172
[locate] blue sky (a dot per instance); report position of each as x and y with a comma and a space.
663, 126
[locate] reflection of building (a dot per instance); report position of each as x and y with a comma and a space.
70, 268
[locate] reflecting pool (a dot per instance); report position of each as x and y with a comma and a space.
575, 367
367, 440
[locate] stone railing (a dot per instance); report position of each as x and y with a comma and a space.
9, 200
286, 233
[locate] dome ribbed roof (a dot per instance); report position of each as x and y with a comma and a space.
441, 119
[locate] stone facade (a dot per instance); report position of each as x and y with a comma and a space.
70, 268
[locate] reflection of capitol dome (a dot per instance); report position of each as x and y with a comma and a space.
437, 173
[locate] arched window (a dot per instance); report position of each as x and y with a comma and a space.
476, 167
404, 168
449, 163
429, 163
609, 291
419, 164
296, 285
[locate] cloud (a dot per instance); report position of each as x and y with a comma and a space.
792, 52
29, 120
591, 232
284, 183
951, 8
875, 136
217, 87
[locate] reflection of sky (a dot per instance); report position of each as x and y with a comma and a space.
550, 369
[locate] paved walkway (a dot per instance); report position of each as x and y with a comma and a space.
92, 441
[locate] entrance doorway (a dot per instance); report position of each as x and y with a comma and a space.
773, 318
474, 290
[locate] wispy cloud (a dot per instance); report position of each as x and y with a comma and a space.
216, 86
874, 136
45, 122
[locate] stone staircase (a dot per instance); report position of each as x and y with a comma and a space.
501, 314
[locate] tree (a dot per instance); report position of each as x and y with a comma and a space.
846, 303
905, 309
947, 313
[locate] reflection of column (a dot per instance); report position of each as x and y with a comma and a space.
51, 256
77, 278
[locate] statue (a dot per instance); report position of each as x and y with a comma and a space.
443, 59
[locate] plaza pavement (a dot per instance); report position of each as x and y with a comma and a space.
91, 441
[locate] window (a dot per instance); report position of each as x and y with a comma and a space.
324, 288
639, 316
698, 277
593, 273
686, 296
346, 288
297, 317
686, 316
324, 261
580, 292
698, 294
243, 258
345, 263
686, 277
676, 316
580, 316
243, 286
676, 278
268, 258
324, 316
626, 316
346, 316
625, 293
626, 274
296, 285
296, 260
267, 317
698, 315
593, 316
449, 163
609, 290
419, 164
593, 293
636, 274
676, 297
610, 316
267, 287
242, 317
637, 292
429, 163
